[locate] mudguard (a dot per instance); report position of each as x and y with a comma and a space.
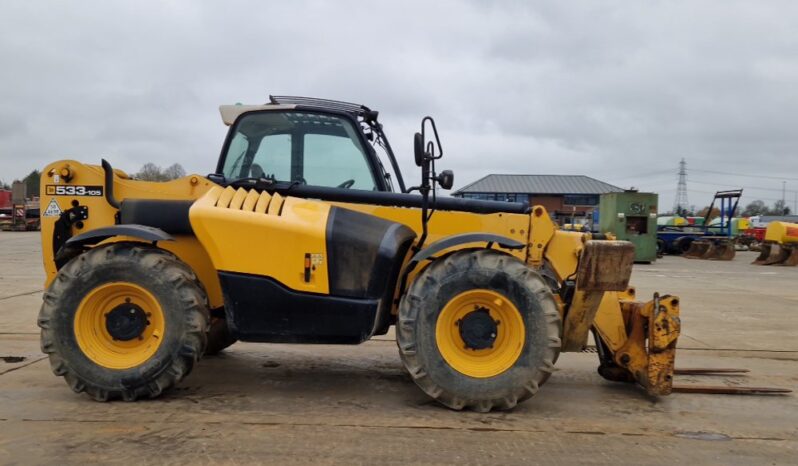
63, 252
456, 240
101, 234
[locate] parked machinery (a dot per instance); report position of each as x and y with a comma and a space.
298, 237
717, 243
754, 235
631, 216
780, 245
23, 214
700, 240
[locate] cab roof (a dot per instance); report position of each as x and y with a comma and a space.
231, 112
279, 102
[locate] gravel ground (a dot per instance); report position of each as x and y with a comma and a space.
298, 404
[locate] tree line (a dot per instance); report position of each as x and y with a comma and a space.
149, 172
760, 208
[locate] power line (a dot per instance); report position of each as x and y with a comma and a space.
645, 175
710, 192
666, 186
745, 175
716, 172
689, 190
739, 186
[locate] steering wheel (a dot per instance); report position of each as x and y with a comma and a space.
346, 184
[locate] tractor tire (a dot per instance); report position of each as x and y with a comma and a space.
479, 330
219, 336
125, 320
661, 247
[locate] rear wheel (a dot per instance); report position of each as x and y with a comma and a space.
125, 320
479, 330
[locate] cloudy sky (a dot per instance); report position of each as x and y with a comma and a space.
620, 91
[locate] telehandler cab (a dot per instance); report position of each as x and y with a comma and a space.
299, 237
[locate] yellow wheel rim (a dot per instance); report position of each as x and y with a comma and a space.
510, 333
92, 326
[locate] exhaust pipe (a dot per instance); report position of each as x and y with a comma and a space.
109, 184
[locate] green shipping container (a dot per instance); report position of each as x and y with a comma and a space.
631, 216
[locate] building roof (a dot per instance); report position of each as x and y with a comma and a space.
539, 184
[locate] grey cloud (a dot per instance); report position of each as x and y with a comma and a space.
610, 89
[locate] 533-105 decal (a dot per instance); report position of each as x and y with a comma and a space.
73, 190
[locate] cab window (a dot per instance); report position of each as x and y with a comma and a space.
303, 147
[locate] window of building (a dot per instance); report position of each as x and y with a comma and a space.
506, 197
581, 199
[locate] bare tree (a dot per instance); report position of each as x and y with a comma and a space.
152, 172
174, 172
149, 172
755, 208
780, 208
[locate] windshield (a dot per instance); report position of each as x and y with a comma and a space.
294, 146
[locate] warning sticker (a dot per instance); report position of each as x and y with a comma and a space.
52, 209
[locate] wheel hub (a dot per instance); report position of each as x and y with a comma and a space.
478, 329
126, 322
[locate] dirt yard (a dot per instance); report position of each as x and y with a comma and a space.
284, 404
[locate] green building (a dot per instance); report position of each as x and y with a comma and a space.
631, 216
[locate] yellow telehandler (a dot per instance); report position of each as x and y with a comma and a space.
301, 235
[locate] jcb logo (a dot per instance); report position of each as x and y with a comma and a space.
67, 190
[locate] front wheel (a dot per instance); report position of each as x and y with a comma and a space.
125, 320
479, 330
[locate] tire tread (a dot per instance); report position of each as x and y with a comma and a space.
426, 285
186, 285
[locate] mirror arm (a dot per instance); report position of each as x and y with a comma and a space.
425, 157
431, 121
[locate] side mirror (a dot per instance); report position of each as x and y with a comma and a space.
446, 179
418, 148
